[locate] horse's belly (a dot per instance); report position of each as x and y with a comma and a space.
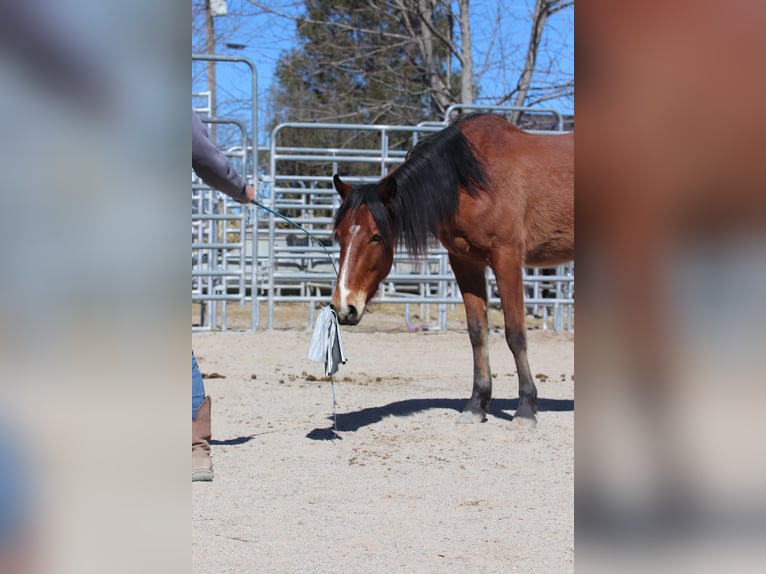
549, 255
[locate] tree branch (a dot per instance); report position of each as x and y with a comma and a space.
450, 45
270, 10
553, 8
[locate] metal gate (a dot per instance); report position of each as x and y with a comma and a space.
223, 243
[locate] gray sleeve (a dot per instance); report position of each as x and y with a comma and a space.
212, 165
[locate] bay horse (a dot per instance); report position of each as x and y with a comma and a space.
494, 196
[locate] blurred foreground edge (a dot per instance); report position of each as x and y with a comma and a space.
671, 259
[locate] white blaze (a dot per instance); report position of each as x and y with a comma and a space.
343, 288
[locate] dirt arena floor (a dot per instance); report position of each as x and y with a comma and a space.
401, 487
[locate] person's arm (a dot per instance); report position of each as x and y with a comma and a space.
212, 165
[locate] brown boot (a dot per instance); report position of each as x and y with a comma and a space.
202, 466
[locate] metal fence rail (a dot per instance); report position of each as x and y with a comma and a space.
223, 245
219, 236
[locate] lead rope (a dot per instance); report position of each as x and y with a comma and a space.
332, 262
299, 226
334, 413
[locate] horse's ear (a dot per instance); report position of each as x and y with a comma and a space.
343, 189
388, 191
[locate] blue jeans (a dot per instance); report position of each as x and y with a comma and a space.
198, 387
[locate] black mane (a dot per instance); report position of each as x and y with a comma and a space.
426, 189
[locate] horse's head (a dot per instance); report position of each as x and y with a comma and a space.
364, 231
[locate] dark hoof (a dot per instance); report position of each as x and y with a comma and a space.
471, 417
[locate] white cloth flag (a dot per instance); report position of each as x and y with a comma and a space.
326, 344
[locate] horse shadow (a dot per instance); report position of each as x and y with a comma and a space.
353, 421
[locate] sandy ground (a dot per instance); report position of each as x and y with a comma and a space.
402, 487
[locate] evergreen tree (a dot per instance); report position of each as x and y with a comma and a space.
362, 62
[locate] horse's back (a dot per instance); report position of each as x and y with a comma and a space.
536, 163
532, 178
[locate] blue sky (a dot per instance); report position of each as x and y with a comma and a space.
267, 36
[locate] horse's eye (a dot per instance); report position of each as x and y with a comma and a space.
376, 238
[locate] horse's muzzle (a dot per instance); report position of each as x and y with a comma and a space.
349, 315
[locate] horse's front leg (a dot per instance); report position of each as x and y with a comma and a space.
471, 280
507, 267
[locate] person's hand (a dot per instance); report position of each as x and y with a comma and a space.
249, 195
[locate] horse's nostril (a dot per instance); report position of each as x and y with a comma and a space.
351, 312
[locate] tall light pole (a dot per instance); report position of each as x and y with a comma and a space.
212, 8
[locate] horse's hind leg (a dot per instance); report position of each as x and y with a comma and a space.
511, 287
471, 280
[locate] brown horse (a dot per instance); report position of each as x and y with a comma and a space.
494, 196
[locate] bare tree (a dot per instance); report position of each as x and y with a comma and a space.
542, 11
466, 54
